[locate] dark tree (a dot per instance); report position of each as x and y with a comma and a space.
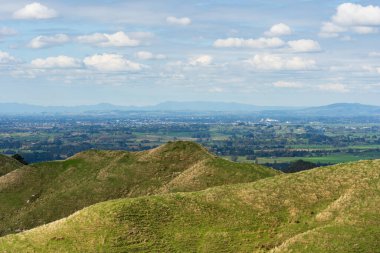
19, 158
300, 165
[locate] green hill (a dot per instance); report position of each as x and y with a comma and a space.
45, 192
331, 209
8, 164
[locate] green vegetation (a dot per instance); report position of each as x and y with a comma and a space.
245, 137
330, 209
329, 159
300, 165
8, 164
44, 192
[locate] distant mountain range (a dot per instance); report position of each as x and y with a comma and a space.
340, 109
198, 106
350, 109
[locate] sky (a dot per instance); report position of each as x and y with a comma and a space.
143, 52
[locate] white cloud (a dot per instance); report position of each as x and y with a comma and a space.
48, 41
118, 39
304, 46
354, 18
6, 57
216, 90
35, 11
334, 87
371, 69
285, 84
349, 14
61, 61
251, 43
279, 30
145, 55
374, 54
331, 30
141, 35
178, 21
365, 29
201, 60
275, 62
6, 31
111, 62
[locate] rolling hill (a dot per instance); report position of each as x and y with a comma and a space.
345, 109
8, 164
330, 209
40, 193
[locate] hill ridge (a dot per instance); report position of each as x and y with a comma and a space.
277, 214
8, 164
48, 191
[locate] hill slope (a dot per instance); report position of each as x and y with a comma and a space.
332, 209
45, 192
8, 164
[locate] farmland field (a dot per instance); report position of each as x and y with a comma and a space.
242, 139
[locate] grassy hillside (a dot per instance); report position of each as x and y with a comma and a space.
332, 209
8, 164
44, 192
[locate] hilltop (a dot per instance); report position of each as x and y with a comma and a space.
331, 209
8, 164
44, 192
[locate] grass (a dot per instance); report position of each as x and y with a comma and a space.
44, 192
330, 209
8, 164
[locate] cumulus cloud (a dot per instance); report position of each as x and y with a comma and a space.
48, 41
304, 46
110, 63
201, 60
354, 18
279, 30
275, 62
349, 14
331, 30
250, 43
178, 21
118, 39
61, 61
35, 11
285, 84
145, 55
334, 87
365, 29
6, 57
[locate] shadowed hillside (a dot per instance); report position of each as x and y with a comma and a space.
44, 192
331, 209
8, 164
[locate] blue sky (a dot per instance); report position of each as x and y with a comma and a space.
140, 52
